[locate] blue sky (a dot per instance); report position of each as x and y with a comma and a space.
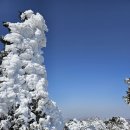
87, 55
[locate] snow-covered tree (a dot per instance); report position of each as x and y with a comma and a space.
117, 123
24, 102
95, 124
127, 97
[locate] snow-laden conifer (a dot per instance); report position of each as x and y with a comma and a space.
116, 123
127, 97
24, 102
95, 124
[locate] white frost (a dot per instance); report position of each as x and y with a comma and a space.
24, 101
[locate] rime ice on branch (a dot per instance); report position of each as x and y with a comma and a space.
24, 102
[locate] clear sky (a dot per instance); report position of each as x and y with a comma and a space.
87, 55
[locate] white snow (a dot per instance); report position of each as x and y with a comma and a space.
118, 123
23, 90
